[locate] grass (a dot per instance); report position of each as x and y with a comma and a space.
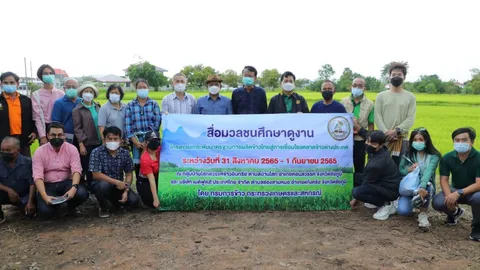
185, 197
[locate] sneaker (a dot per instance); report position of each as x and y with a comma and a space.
417, 201
369, 205
2, 216
103, 212
475, 235
423, 220
385, 211
452, 220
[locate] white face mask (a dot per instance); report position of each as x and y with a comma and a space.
114, 98
214, 90
180, 87
112, 145
288, 87
88, 97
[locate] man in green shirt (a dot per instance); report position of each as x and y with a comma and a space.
287, 101
464, 166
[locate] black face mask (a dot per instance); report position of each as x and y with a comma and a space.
370, 149
56, 142
396, 81
327, 95
7, 157
153, 144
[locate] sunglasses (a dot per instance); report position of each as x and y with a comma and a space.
420, 129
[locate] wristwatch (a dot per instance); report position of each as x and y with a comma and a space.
460, 192
75, 186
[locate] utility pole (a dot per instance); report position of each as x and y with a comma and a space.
26, 75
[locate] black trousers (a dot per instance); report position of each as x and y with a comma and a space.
85, 160
143, 189
359, 156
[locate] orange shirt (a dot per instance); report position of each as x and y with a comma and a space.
14, 114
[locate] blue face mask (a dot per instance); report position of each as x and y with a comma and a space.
419, 146
71, 93
461, 147
48, 79
357, 92
142, 93
248, 81
8, 88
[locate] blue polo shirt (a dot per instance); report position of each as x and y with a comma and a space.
206, 105
19, 178
62, 112
253, 102
334, 107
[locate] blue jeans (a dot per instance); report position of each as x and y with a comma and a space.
59, 189
405, 207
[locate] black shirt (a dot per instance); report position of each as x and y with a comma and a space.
253, 102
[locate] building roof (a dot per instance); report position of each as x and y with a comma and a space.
113, 79
60, 72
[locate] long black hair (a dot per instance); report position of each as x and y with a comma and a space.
429, 148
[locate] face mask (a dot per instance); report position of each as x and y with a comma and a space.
9, 88
48, 79
71, 93
327, 95
419, 146
153, 144
7, 157
248, 81
88, 97
142, 93
370, 149
357, 92
288, 87
214, 90
180, 87
114, 98
112, 145
56, 142
461, 147
396, 81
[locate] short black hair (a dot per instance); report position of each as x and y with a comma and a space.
115, 86
287, 74
41, 68
327, 80
377, 136
251, 69
55, 125
397, 65
471, 133
112, 130
139, 81
8, 74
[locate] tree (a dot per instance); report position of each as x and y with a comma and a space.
88, 79
33, 87
270, 78
147, 71
384, 72
425, 80
475, 73
315, 85
301, 83
452, 88
326, 72
231, 78
197, 75
373, 84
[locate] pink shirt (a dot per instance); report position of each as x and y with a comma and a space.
47, 100
55, 167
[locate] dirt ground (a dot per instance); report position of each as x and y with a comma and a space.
142, 239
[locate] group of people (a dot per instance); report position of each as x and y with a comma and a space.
85, 147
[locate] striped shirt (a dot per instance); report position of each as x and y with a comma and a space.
142, 118
172, 104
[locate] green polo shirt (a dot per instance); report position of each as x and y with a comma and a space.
463, 174
356, 112
288, 102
